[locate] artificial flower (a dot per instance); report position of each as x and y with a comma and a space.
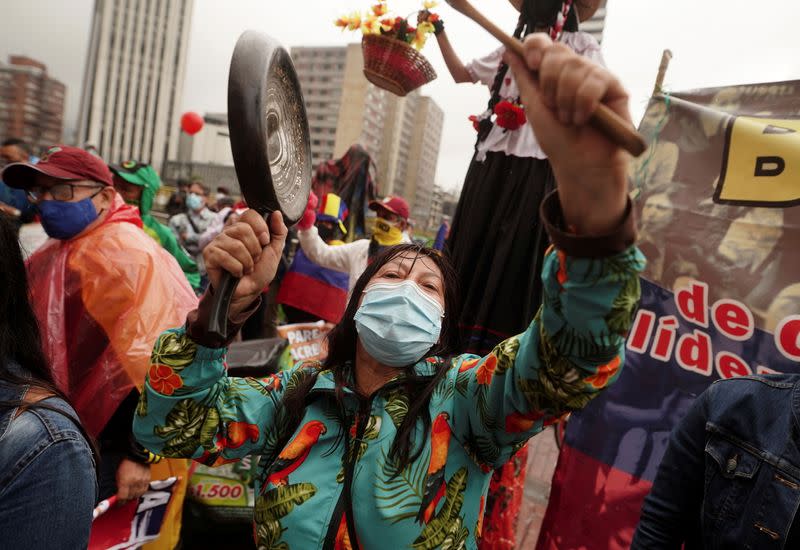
509, 115
380, 9
375, 21
371, 25
426, 27
354, 22
387, 24
421, 36
476, 122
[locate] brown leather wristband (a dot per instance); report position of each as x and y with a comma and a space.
590, 246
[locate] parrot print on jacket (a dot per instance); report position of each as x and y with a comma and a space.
295, 453
435, 484
481, 411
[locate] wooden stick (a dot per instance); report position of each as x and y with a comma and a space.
666, 57
604, 119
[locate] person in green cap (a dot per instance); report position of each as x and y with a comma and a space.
138, 184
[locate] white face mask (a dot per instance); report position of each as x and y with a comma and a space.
398, 323
194, 201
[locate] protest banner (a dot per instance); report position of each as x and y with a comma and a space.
131, 525
306, 342
716, 194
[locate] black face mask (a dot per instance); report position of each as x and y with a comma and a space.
328, 233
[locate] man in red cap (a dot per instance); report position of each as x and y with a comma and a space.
102, 290
352, 258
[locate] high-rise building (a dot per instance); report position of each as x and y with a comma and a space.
402, 135
134, 79
436, 213
423, 156
393, 160
407, 160
31, 103
597, 23
362, 115
321, 72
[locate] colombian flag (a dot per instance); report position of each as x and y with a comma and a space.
314, 289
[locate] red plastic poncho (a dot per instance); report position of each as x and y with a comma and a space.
102, 299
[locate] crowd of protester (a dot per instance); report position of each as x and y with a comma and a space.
111, 378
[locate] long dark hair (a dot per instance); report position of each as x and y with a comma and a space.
342, 353
20, 340
535, 15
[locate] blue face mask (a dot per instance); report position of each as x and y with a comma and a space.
398, 323
194, 201
63, 220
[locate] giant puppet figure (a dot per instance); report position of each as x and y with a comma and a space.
497, 240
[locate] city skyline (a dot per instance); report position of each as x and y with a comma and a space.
704, 55
133, 84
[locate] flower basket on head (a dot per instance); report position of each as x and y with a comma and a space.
394, 65
391, 45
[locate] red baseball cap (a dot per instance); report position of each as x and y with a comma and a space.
395, 205
60, 162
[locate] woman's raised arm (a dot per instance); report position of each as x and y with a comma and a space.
575, 346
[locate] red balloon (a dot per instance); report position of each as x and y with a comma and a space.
191, 123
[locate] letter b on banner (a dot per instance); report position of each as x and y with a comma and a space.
761, 164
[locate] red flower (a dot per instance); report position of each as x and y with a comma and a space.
476, 123
486, 370
379, 9
164, 380
600, 378
509, 115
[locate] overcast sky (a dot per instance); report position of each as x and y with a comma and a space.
714, 42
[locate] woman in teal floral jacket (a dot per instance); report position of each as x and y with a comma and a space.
390, 443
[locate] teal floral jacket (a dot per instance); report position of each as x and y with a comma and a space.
482, 411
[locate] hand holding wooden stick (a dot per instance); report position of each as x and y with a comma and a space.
604, 119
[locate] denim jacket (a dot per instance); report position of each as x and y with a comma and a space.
730, 477
48, 484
